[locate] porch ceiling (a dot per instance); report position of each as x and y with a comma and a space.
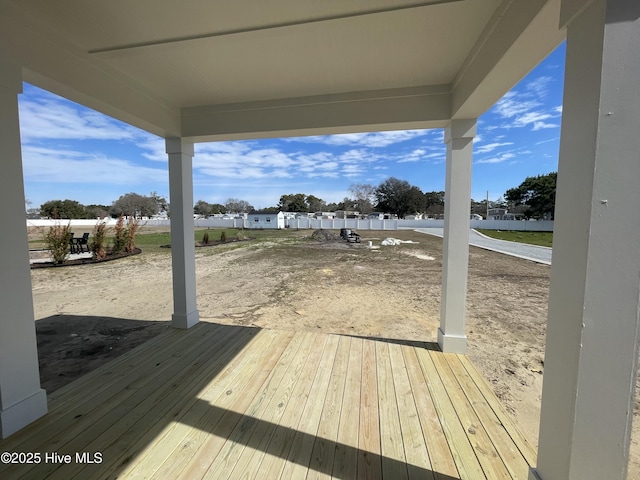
151, 62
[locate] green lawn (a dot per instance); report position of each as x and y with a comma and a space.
154, 241
544, 239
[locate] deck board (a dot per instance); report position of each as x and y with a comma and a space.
474, 429
160, 455
261, 438
299, 457
236, 402
322, 456
391, 442
461, 449
280, 441
345, 462
369, 454
415, 448
436, 442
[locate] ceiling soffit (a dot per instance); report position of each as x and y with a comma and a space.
237, 52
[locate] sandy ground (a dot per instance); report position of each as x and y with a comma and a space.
87, 315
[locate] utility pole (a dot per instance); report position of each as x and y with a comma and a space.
487, 216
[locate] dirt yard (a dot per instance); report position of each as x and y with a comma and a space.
87, 315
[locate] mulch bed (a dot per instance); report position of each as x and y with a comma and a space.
86, 261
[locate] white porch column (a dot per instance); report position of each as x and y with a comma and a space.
185, 313
455, 263
592, 334
21, 398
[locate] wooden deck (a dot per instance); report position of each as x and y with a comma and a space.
236, 402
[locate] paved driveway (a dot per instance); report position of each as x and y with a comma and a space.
521, 250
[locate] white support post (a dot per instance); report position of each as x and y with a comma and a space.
185, 313
21, 399
594, 306
455, 263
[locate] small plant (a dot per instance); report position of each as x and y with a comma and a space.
120, 236
130, 232
99, 240
205, 238
223, 237
58, 240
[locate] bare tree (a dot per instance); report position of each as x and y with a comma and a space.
235, 205
364, 196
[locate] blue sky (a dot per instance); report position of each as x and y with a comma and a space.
73, 152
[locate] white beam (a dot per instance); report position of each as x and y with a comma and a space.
520, 34
455, 263
185, 313
55, 64
391, 109
21, 398
594, 306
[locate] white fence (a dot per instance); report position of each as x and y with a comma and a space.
73, 223
327, 224
337, 223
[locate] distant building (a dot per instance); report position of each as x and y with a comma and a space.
273, 220
347, 214
325, 215
501, 214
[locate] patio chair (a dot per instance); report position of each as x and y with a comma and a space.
73, 244
83, 243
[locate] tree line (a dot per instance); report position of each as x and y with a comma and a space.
533, 198
130, 204
536, 196
393, 196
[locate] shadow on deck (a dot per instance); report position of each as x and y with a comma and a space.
236, 402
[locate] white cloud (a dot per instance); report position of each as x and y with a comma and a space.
358, 155
414, 156
353, 170
421, 155
499, 159
526, 108
370, 140
511, 105
542, 125
491, 147
540, 86
51, 117
547, 141
247, 160
531, 117
69, 166
153, 147
241, 160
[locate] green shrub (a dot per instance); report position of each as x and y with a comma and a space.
120, 236
58, 242
130, 232
205, 238
98, 243
223, 237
